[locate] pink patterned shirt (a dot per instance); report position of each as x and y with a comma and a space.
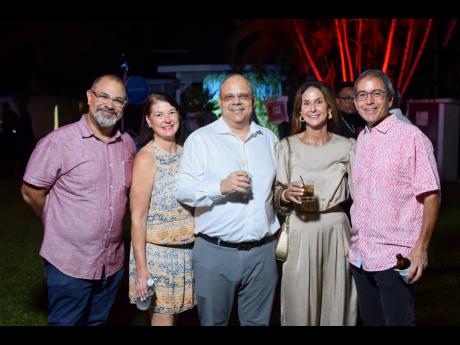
394, 164
88, 182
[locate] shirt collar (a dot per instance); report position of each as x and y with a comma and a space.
86, 132
385, 125
223, 128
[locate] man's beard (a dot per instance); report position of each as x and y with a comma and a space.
104, 121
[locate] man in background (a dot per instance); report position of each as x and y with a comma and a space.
349, 123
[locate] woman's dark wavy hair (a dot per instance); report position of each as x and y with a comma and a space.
298, 126
146, 131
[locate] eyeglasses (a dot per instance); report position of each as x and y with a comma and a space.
347, 99
245, 97
376, 94
104, 99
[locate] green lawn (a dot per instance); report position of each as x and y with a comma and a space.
22, 290
23, 298
438, 301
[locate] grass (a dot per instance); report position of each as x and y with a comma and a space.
23, 299
22, 289
438, 302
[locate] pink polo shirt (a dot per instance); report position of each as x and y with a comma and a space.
394, 164
88, 181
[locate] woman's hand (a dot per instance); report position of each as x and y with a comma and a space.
141, 282
293, 192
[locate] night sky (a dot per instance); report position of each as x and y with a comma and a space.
62, 57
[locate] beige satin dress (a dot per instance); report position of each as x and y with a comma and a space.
317, 286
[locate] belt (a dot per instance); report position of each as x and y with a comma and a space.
178, 246
241, 245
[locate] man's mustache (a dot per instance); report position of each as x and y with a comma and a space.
107, 110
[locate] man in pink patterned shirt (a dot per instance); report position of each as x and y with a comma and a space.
395, 205
77, 182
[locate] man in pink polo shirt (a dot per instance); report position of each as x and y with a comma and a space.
395, 205
77, 182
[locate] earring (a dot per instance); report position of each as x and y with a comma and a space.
329, 114
301, 119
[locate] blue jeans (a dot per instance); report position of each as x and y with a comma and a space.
384, 299
74, 301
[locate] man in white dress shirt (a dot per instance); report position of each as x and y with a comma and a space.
227, 172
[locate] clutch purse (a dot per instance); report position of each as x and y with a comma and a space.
281, 249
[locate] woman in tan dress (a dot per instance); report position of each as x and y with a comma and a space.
162, 229
316, 286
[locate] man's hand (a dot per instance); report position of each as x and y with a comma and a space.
236, 182
419, 261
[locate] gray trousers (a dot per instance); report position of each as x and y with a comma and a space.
223, 273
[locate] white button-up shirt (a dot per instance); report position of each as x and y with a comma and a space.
213, 152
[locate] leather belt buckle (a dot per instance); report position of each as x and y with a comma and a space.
246, 246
